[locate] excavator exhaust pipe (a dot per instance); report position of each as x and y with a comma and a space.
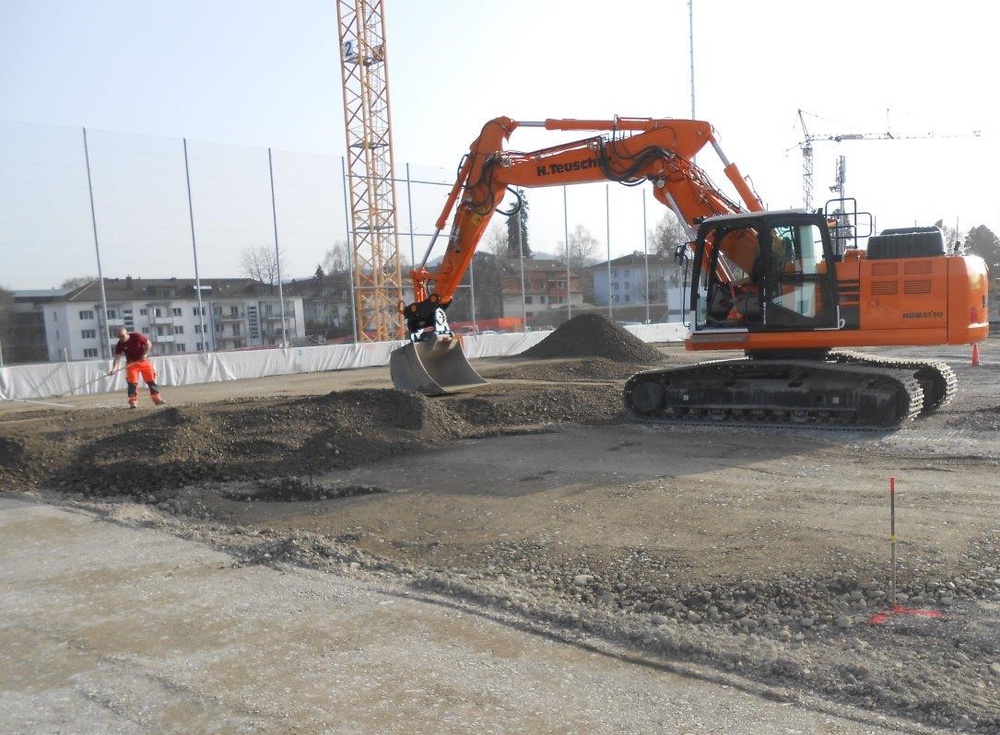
433, 367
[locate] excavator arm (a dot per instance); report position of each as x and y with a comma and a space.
627, 150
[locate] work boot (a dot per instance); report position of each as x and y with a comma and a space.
133, 402
157, 399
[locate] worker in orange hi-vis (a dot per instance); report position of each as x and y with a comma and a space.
135, 346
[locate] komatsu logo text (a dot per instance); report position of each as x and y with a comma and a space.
563, 168
923, 314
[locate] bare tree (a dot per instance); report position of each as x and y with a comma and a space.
262, 263
337, 258
73, 283
668, 235
494, 240
582, 247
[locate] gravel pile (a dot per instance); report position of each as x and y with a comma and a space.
593, 335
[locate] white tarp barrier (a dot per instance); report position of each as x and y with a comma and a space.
33, 382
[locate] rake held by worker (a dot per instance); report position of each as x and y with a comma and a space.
88, 383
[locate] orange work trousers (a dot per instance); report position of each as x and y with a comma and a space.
141, 367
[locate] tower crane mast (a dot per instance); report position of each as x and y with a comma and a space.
376, 264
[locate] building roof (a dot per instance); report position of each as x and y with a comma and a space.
534, 265
159, 289
317, 288
40, 294
638, 260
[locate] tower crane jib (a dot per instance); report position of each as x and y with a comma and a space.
809, 138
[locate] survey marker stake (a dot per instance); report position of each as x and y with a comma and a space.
895, 609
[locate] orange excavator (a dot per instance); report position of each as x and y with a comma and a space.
790, 288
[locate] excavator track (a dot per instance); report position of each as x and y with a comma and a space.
835, 393
935, 376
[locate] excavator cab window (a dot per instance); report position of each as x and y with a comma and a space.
767, 277
795, 272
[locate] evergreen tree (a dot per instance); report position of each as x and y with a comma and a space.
6, 326
517, 229
982, 242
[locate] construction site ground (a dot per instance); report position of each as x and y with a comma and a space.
322, 553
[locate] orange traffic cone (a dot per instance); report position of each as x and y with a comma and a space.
975, 355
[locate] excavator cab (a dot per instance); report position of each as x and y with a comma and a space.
764, 271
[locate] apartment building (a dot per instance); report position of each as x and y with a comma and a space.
639, 279
231, 314
546, 286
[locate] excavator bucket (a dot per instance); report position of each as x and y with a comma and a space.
432, 367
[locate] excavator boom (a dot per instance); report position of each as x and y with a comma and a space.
626, 150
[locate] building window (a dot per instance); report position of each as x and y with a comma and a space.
157, 312
86, 315
194, 311
178, 329
88, 333
176, 312
200, 347
197, 329
112, 314
143, 312
181, 347
90, 352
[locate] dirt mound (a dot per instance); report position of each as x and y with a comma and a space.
112, 453
593, 335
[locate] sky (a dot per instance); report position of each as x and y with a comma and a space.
253, 89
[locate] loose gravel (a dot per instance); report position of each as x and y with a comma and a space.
799, 633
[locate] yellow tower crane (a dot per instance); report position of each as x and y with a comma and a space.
377, 268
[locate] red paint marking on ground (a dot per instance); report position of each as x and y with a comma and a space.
898, 610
